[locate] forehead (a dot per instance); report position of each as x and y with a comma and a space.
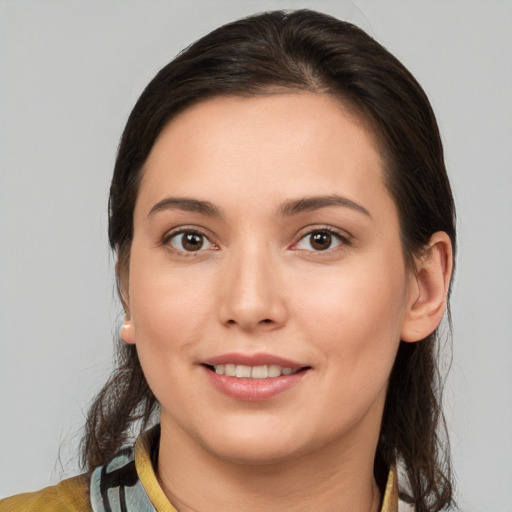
264, 146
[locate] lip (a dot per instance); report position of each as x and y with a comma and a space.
254, 390
258, 359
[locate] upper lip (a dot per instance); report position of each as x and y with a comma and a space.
259, 359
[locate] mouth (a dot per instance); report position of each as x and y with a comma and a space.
255, 377
241, 371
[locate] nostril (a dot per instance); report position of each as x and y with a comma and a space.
265, 323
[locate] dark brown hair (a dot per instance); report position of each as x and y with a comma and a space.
304, 51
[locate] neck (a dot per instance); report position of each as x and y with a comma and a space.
333, 478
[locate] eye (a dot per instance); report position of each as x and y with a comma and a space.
320, 240
189, 241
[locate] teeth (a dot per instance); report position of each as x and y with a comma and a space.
242, 371
259, 372
274, 370
230, 370
252, 372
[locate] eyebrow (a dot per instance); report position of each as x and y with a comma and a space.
288, 208
186, 204
307, 204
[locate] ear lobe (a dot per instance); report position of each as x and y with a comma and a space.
127, 332
429, 289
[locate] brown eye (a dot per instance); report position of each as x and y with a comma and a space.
320, 240
189, 241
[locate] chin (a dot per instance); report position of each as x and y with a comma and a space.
258, 454
253, 446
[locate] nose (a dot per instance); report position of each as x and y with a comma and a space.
252, 295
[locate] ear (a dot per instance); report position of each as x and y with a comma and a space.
429, 289
122, 272
127, 331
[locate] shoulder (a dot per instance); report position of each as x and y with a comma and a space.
71, 495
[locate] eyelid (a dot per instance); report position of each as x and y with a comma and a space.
344, 237
180, 230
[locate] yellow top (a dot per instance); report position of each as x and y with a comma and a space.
72, 495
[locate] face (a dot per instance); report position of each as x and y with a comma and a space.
267, 289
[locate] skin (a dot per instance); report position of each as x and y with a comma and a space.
258, 285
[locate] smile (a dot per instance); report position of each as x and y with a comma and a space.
253, 372
253, 377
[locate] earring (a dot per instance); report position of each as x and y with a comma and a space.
124, 331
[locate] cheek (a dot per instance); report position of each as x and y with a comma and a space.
355, 326
170, 314
356, 316
170, 309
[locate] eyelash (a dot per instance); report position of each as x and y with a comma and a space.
342, 237
167, 239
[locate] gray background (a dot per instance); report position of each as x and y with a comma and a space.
70, 71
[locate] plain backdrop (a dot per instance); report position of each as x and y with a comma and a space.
71, 70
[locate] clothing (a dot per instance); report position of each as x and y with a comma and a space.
128, 483
71, 495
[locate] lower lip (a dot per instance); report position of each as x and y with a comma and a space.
254, 390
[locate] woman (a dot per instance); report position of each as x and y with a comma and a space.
284, 232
